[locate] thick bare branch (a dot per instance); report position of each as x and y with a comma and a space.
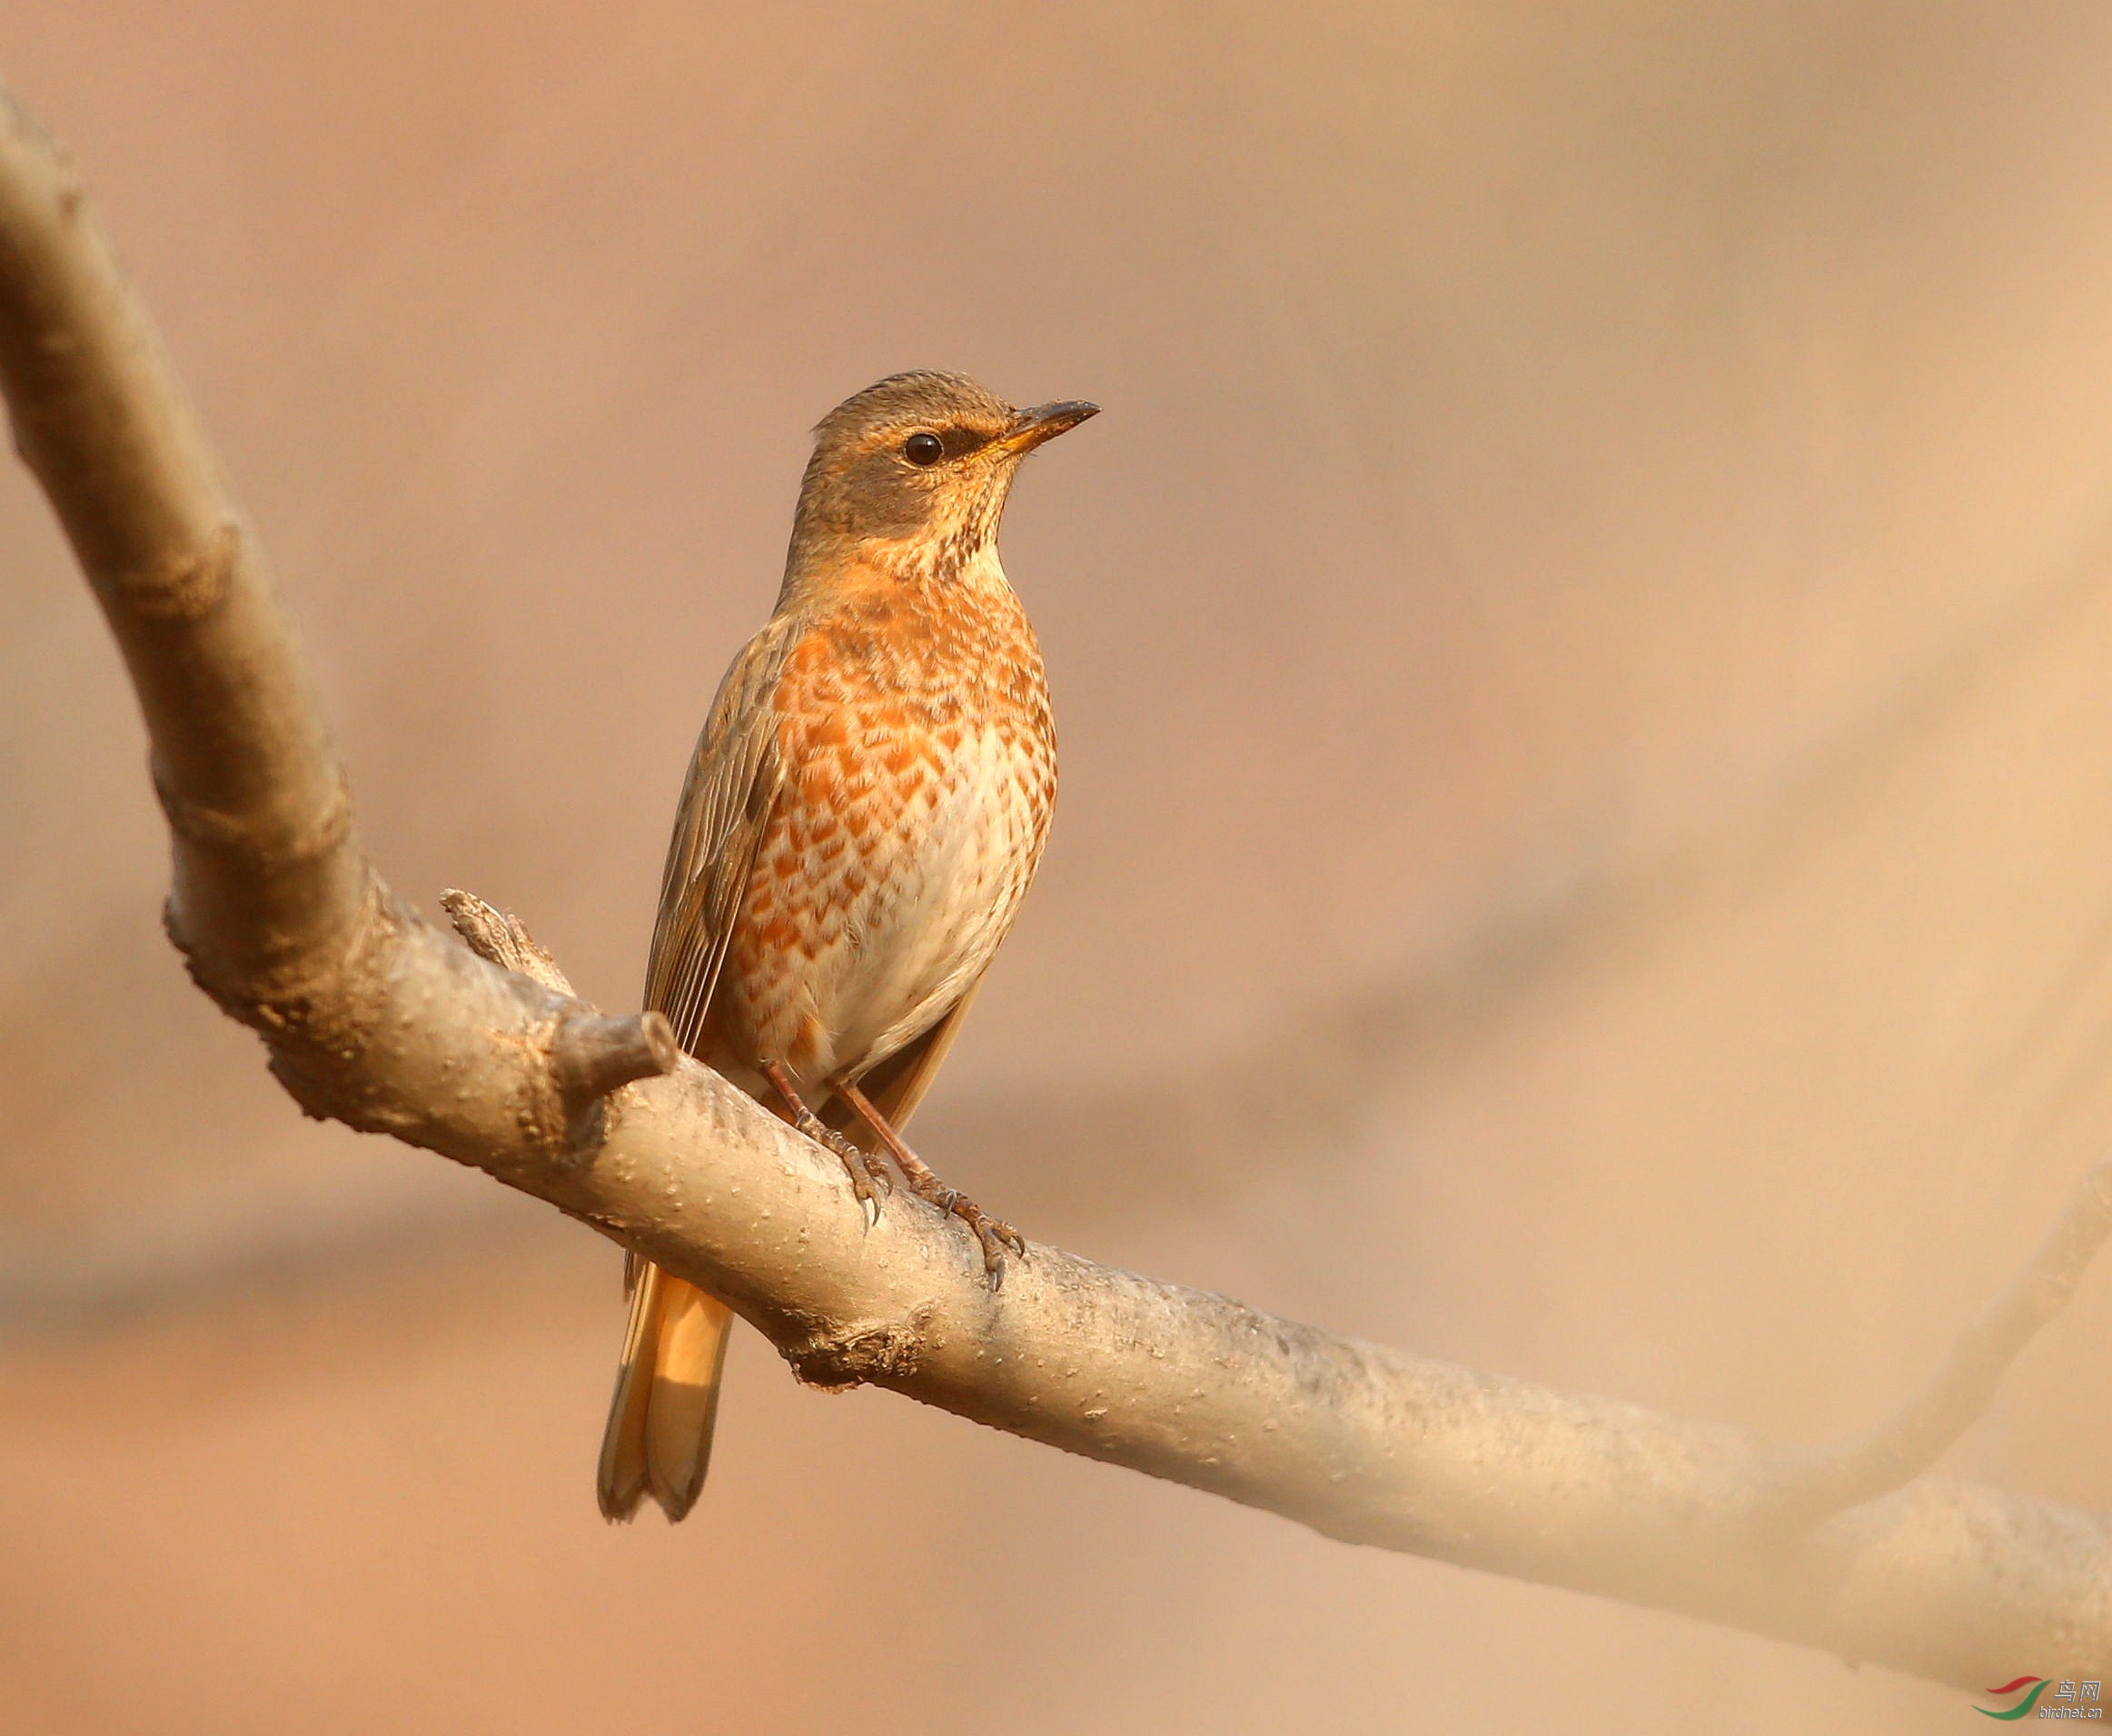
268, 882
376, 1018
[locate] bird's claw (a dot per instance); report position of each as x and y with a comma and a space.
868, 1180
868, 1175
996, 1236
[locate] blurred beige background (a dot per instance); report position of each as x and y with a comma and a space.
1586, 844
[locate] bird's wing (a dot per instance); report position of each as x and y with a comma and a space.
727, 801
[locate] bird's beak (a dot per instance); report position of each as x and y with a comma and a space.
1043, 422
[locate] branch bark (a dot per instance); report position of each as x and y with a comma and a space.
373, 1017
1930, 1422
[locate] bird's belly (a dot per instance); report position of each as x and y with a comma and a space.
914, 880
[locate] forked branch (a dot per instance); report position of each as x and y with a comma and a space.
1924, 1428
591, 1058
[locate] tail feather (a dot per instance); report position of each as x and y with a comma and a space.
659, 1439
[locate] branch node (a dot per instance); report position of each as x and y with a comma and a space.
500, 937
591, 1056
184, 587
209, 828
851, 1355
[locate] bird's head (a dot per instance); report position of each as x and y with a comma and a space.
911, 474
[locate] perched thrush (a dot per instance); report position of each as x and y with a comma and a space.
862, 815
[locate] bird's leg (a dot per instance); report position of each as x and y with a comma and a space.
994, 1233
868, 1175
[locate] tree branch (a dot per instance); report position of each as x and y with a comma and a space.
1930, 1424
377, 1019
590, 1057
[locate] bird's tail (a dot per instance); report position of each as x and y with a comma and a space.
659, 1441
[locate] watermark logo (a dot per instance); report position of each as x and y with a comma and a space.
2028, 1694
2020, 1708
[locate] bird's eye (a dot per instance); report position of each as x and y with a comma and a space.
922, 449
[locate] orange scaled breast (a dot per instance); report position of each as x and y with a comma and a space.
915, 732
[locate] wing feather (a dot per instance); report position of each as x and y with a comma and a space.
728, 799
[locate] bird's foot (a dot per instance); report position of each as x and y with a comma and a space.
869, 1174
996, 1236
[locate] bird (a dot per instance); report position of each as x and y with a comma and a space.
864, 810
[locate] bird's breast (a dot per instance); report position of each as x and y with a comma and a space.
920, 763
